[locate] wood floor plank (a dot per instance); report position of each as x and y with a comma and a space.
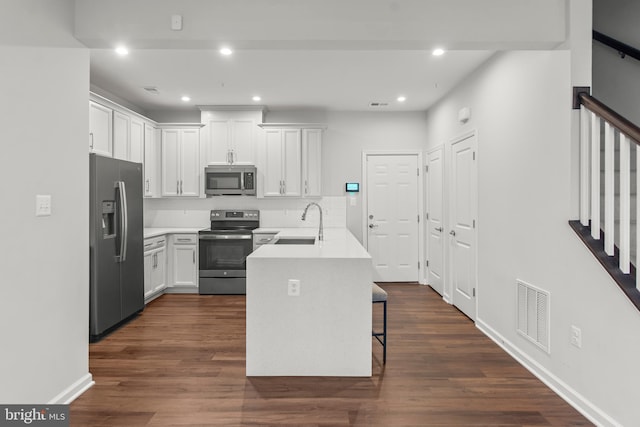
182, 363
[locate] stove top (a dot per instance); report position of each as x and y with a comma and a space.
233, 221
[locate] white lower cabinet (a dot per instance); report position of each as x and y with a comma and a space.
155, 262
183, 250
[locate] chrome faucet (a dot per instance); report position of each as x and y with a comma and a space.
304, 217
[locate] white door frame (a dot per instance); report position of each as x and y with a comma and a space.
448, 284
365, 201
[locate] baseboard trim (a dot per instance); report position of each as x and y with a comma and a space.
72, 392
562, 389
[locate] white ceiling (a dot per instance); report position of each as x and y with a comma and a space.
284, 78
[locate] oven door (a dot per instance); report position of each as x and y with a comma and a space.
224, 255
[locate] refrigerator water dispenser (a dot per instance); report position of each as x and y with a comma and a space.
108, 219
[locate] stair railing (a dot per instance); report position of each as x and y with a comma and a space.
593, 115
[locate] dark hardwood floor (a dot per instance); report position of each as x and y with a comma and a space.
182, 362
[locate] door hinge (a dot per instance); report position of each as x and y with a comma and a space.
474, 292
418, 171
427, 216
418, 219
426, 169
418, 265
474, 155
474, 223
427, 263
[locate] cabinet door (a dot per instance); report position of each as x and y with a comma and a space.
170, 162
149, 259
136, 140
292, 162
185, 269
100, 126
150, 161
189, 163
243, 141
218, 141
121, 123
311, 162
272, 168
158, 274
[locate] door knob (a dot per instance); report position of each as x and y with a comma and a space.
372, 225
452, 232
439, 229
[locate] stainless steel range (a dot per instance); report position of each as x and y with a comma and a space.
224, 249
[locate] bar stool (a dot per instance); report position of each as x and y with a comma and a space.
379, 295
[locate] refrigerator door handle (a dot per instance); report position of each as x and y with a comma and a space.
122, 192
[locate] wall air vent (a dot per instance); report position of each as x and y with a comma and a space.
533, 314
378, 104
152, 89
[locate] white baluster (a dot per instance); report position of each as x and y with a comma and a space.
584, 166
595, 176
609, 189
625, 202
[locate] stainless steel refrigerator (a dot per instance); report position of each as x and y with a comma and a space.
116, 243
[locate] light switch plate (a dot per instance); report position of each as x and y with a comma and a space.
176, 22
43, 205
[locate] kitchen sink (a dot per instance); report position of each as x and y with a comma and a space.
295, 241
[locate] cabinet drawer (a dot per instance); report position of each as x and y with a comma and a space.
154, 242
262, 239
185, 239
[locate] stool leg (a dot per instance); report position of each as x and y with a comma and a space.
384, 347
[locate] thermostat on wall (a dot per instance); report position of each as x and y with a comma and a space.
352, 187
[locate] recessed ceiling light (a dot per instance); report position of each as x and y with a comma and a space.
402, 98
438, 52
226, 51
122, 50
256, 98
186, 98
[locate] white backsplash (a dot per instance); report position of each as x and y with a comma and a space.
273, 212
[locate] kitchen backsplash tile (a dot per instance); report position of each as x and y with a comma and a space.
273, 212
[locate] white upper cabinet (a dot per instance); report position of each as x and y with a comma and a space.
121, 129
230, 136
136, 140
151, 161
100, 127
181, 161
290, 160
312, 162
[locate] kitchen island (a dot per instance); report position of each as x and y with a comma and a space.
309, 306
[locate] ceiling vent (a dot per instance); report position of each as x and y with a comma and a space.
378, 104
152, 89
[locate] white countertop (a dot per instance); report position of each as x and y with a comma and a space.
158, 231
337, 243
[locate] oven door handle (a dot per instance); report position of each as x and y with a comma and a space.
226, 237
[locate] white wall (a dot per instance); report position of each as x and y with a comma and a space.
44, 295
520, 105
615, 80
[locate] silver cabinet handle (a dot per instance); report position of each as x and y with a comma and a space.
439, 229
184, 240
306, 187
146, 185
194, 256
91, 135
177, 187
180, 186
452, 232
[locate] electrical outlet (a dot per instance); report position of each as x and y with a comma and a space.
43, 205
293, 288
576, 336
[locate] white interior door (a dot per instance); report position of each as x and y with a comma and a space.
392, 213
462, 208
435, 220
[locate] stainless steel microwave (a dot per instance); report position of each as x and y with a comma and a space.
230, 180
